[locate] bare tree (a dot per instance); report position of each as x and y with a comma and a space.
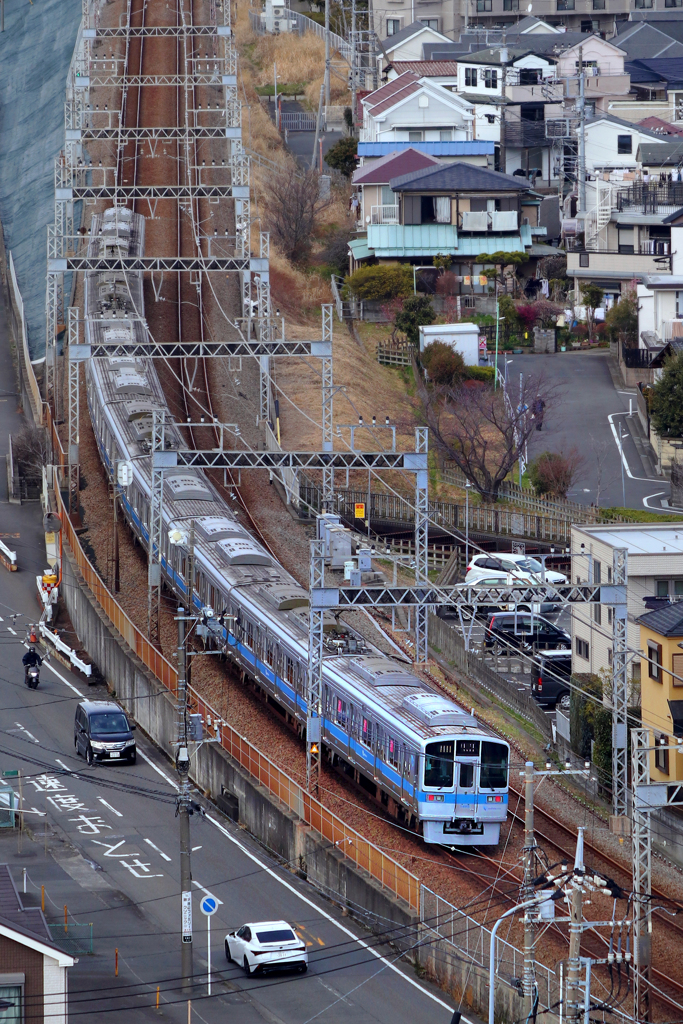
31, 450
555, 472
294, 204
601, 452
481, 429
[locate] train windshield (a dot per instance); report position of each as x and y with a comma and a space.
494, 766
439, 764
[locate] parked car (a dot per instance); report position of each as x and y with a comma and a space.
266, 946
502, 561
102, 732
550, 675
525, 632
542, 606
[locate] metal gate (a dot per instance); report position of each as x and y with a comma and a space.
297, 122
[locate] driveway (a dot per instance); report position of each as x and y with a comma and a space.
300, 144
588, 416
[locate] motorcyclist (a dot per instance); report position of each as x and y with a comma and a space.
30, 659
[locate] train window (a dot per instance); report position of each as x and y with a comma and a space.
466, 776
467, 748
494, 766
342, 711
439, 767
393, 752
367, 732
249, 635
290, 670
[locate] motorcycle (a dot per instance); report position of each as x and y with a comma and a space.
33, 677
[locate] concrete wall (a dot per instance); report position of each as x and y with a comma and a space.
274, 825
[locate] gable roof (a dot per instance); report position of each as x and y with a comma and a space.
391, 42
660, 127
394, 164
407, 84
624, 124
667, 153
585, 39
26, 925
427, 68
672, 25
457, 176
527, 25
646, 41
492, 55
667, 621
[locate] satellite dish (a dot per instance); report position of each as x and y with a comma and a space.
124, 474
529, 8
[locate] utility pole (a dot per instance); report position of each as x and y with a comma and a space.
327, 53
502, 159
528, 890
318, 124
354, 67
183, 766
574, 1005
581, 212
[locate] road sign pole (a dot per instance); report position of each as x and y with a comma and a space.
208, 954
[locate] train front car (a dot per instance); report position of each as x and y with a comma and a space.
463, 796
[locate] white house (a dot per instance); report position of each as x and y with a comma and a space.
412, 109
660, 297
612, 145
405, 41
655, 569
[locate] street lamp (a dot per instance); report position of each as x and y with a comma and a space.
467, 523
535, 902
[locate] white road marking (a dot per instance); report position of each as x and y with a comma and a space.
12, 631
60, 676
157, 769
620, 448
196, 848
646, 503
160, 852
65, 767
109, 807
208, 893
21, 728
328, 917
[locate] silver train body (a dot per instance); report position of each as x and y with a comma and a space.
430, 764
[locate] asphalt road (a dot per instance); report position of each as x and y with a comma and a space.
589, 415
300, 144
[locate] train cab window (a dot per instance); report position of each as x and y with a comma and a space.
466, 776
494, 766
439, 767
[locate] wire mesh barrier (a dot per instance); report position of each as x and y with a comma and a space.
75, 939
472, 940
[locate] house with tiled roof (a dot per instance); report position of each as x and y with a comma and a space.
413, 109
377, 201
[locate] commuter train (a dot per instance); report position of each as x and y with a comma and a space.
431, 765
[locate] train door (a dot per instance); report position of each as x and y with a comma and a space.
467, 781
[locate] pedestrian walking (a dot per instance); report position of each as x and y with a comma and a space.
537, 410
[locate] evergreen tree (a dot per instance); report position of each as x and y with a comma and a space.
666, 404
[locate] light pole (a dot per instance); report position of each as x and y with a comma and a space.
621, 457
277, 116
535, 902
467, 524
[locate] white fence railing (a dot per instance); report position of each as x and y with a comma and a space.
387, 214
292, 21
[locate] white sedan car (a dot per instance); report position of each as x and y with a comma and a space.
523, 567
266, 946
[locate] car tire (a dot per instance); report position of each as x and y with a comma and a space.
227, 952
562, 647
133, 758
302, 968
78, 753
89, 756
246, 966
564, 703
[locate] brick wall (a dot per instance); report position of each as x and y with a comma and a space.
18, 959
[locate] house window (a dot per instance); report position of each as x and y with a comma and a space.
430, 23
565, 5
393, 26
662, 754
597, 580
490, 78
530, 76
598, 5
624, 143
677, 669
584, 258
491, 118
389, 197
471, 77
673, 3
642, 4
679, 304
414, 136
510, 5
13, 1013
483, 5
582, 648
654, 656
446, 135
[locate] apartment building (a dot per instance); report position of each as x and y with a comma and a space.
655, 569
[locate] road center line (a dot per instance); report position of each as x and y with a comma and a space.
160, 852
109, 807
328, 917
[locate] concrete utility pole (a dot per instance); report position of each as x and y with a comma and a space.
327, 53
318, 125
581, 211
528, 890
354, 66
503, 80
183, 767
574, 1003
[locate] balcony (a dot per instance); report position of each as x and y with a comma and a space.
387, 240
600, 83
384, 214
494, 220
658, 200
526, 133
615, 266
671, 329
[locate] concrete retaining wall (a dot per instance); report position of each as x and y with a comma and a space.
273, 824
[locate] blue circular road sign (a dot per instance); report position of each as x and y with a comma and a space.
209, 905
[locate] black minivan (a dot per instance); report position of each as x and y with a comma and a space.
550, 676
102, 732
525, 631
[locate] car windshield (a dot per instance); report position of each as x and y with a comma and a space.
276, 935
530, 565
111, 722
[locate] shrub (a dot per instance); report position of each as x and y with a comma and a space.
622, 320
508, 310
486, 374
384, 281
443, 364
555, 472
666, 403
342, 156
336, 252
417, 312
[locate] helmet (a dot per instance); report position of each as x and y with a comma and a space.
32, 649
